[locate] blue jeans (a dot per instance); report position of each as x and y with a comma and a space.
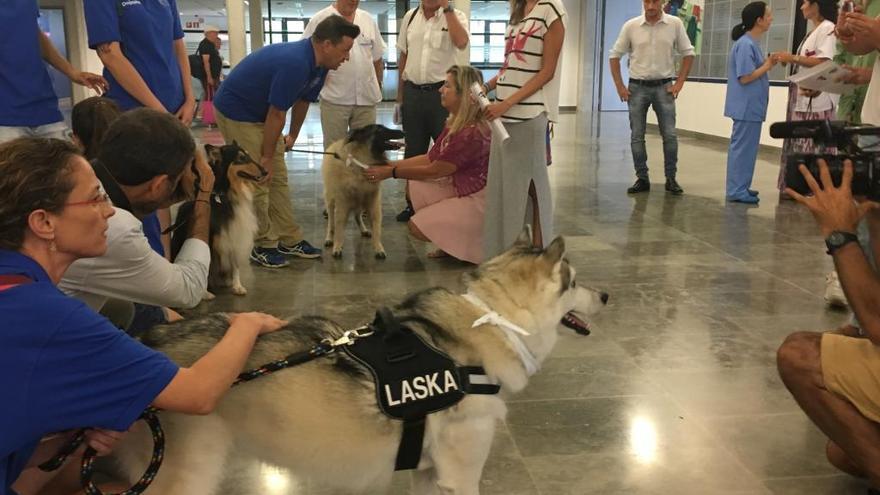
641, 97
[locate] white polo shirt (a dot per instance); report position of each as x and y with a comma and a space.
651, 47
428, 46
354, 82
871, 108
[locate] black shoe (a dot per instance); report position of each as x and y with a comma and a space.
641, 185
673, 188
406, 214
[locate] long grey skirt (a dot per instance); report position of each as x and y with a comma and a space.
513, 165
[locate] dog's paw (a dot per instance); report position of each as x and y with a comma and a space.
337, 253
239, 290
366, 233
380, 255
208, 296
328, 242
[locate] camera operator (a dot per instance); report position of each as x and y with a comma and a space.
835, 376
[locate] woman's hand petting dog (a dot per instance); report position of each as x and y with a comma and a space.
260, 322
377, 174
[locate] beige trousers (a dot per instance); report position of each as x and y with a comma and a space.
272, 203
336, 120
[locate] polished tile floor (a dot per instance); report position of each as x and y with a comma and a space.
676, 391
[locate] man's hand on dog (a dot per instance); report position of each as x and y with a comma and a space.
188, 181
834, 208
377, 174
260, 322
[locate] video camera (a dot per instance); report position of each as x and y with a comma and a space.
832, 133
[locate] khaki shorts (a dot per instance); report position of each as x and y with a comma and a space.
851, 369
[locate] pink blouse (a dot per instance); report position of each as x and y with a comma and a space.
468, 150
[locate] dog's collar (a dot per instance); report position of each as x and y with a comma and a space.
511, 330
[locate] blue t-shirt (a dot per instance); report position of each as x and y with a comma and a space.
277, 75
153, 233
64, 367
746, 101
146, 31
26, 95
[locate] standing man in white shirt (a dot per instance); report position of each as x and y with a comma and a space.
431, 38
351, 92
651, 41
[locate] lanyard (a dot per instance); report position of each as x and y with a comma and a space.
10, 281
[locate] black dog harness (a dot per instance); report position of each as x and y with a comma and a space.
413, 379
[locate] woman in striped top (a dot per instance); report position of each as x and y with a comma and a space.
527, 100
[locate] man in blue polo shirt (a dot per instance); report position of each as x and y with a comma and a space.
251, 108
28, 104
145, 60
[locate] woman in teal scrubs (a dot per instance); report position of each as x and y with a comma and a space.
748, 91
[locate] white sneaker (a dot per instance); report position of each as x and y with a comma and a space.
834, 292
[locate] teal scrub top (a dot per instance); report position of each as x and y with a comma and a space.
746, 102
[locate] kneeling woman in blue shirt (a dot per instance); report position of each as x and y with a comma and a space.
62, 366
748, 90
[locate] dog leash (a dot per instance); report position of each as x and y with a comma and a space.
349, 161
330, 153
323, 348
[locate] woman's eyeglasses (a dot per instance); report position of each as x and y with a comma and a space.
100, 199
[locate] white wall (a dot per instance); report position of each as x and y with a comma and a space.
700, 108
569, 93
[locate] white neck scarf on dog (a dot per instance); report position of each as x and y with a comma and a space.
511, 330
351, 160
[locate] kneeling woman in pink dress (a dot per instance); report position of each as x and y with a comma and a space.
447, 185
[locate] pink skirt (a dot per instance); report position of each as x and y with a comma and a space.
454, 224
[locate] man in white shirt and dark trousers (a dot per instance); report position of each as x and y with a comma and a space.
431, 38
140, 176
651, 41
351, 92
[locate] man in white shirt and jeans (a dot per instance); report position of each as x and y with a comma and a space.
431, 38
144, 157
351, 92
651, 41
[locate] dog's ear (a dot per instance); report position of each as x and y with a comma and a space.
525, 237
555, 251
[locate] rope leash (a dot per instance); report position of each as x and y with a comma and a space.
323, 348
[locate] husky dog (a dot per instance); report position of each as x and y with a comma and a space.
233, 222
321, 419
346, 190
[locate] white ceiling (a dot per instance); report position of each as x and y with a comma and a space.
491, 9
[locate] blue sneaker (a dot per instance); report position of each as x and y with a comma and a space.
301, 249
268, 257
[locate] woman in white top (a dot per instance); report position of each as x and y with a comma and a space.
803, 104
527, 99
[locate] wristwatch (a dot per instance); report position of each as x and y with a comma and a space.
838, 239
449, 8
